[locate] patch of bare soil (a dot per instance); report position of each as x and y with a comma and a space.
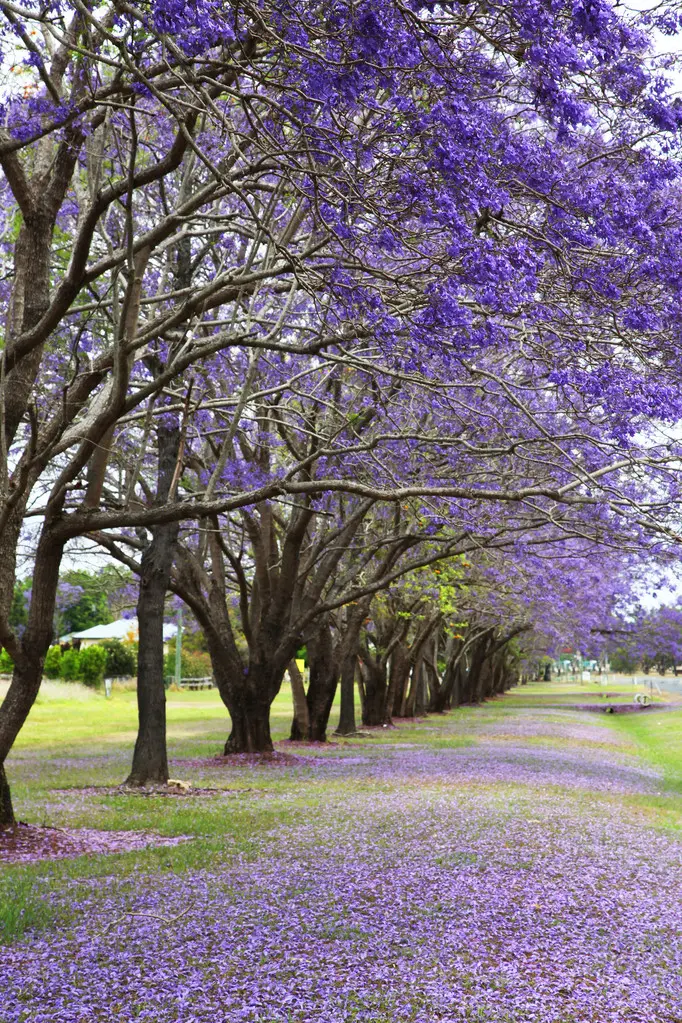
274, 759
177, 790
26, 843
285, 744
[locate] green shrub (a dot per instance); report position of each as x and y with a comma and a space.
121, 659
194, 664
69, 666
193, 641
6, 663
93, 661
53, 660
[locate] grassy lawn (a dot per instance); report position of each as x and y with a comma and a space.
68, 715
658, 736
570, 692
523, 800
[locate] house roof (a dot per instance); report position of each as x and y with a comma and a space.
123, 629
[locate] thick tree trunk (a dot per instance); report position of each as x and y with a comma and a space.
247, 692
414, 701
374, 711
16, 707
9, 540
410, 694
300, 725
347, 725
348, 658
475, 678
150, 758
30, 301
250, 731
6, 809
432, 680
467, 687
28, 667
398, 679
441, 692
453, 693
324, 678
420, 693
485, 680
501, 676
360, 677
415, 705
448, 693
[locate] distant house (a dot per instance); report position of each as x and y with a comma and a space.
125, 630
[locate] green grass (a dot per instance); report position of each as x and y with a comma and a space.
567, 692
658, 736
76, 737
68, 715
60, 719
23, 905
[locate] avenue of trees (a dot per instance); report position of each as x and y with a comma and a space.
355, 326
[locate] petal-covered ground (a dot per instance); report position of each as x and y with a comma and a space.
26, 844
514, 880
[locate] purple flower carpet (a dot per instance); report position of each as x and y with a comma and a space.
515, 880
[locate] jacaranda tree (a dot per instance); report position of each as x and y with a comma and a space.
484, 190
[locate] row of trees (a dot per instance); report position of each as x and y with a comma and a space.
648, 640
303, 302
